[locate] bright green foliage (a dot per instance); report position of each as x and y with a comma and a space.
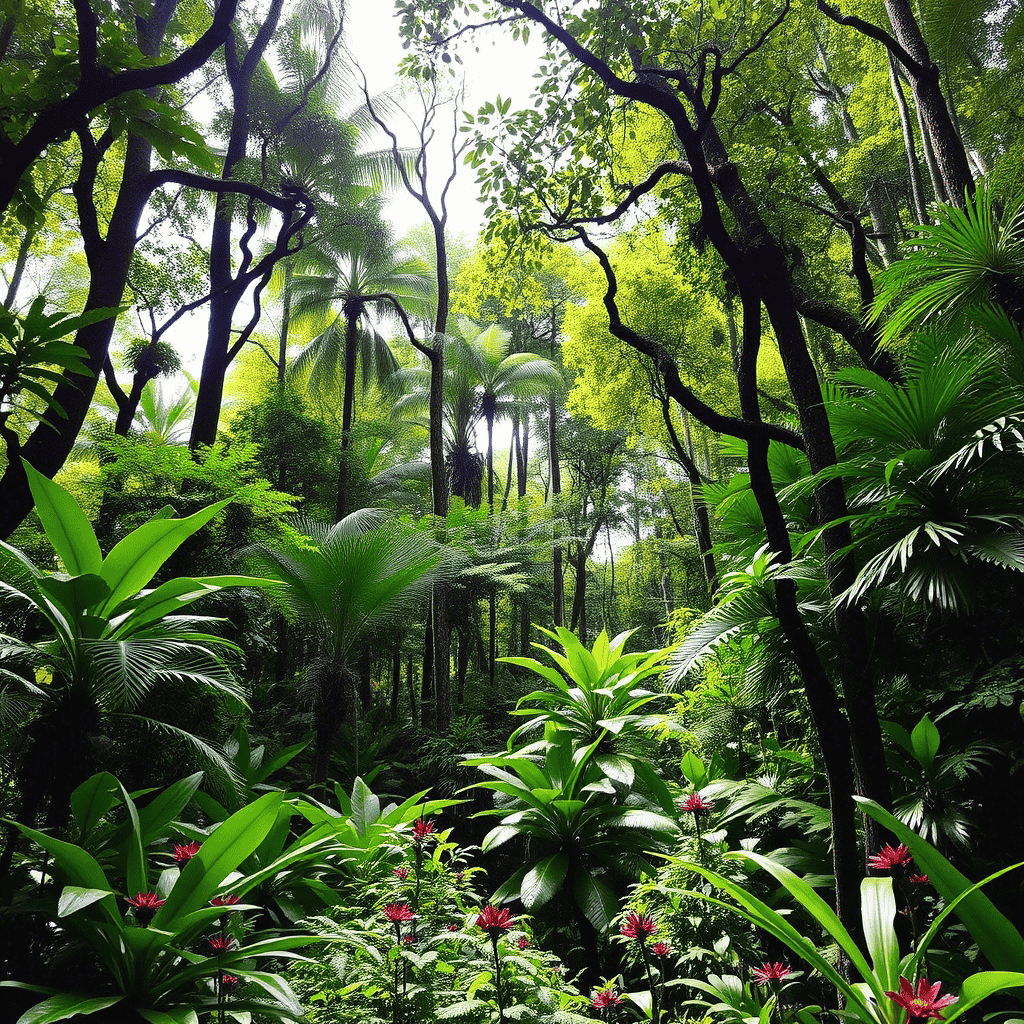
110, 637
580, 838
596, 693
32, 356
152, 971
867, 1001
970, 257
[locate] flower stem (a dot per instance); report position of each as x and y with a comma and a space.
655, 1009
497, 978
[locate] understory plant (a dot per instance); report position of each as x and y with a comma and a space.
890, 988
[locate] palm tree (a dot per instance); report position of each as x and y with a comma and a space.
341, 583
361, 281
501, 380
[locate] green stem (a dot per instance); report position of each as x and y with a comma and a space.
655, 1009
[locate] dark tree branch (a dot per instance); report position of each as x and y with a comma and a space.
742, 428
868, 29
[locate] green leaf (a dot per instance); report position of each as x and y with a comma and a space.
693, 768
227, 846
925, 741
982, 985
543, 880
135, 560
997, 938
878, 912
66, 526
92, 799
75, 898
596, 899
365, 806
174, 1015
136, 877
67, 1004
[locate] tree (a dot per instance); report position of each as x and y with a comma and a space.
361, 282
341, 582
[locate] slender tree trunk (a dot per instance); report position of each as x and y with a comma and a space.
347, 406
410, 685
950, 156
226, 290
396, 680
920, 207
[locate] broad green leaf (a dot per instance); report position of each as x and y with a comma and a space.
878, 912
693, 768
75, 898
365, 806
925, 740
997, 938
67, 527
163, 809
982, 985
135, 560
543, 880
596, 899
136, 858
174, 1015
227, 846
67, 1004
92, 799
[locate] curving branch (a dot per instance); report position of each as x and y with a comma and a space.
745, 429
874, 32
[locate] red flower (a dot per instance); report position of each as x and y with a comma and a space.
183, 854
523, 942
766, 973
396, 912
227, 900
228, 983
888, 858
458, 877
453, 927
924, 1003
494, 921
696, 804
918, 879
401, 873
661, 949
639, 926
605, 999
145, 905
409, 939
219, 944
421, 830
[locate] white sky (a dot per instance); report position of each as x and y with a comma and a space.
493, 63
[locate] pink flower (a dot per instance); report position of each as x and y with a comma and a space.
400, 873
661, 949
396, 912
494, 921
918, 879
227, 900
409, 939
924, 1003
218, 944
183, 854
605, 999
696, 804
766, 973
639, 926
523, 942
453, 927
228, 983
421, 830
888, 858
145, 905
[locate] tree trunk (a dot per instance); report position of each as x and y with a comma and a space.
341, 508
918, 204
226, 290
950, 156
